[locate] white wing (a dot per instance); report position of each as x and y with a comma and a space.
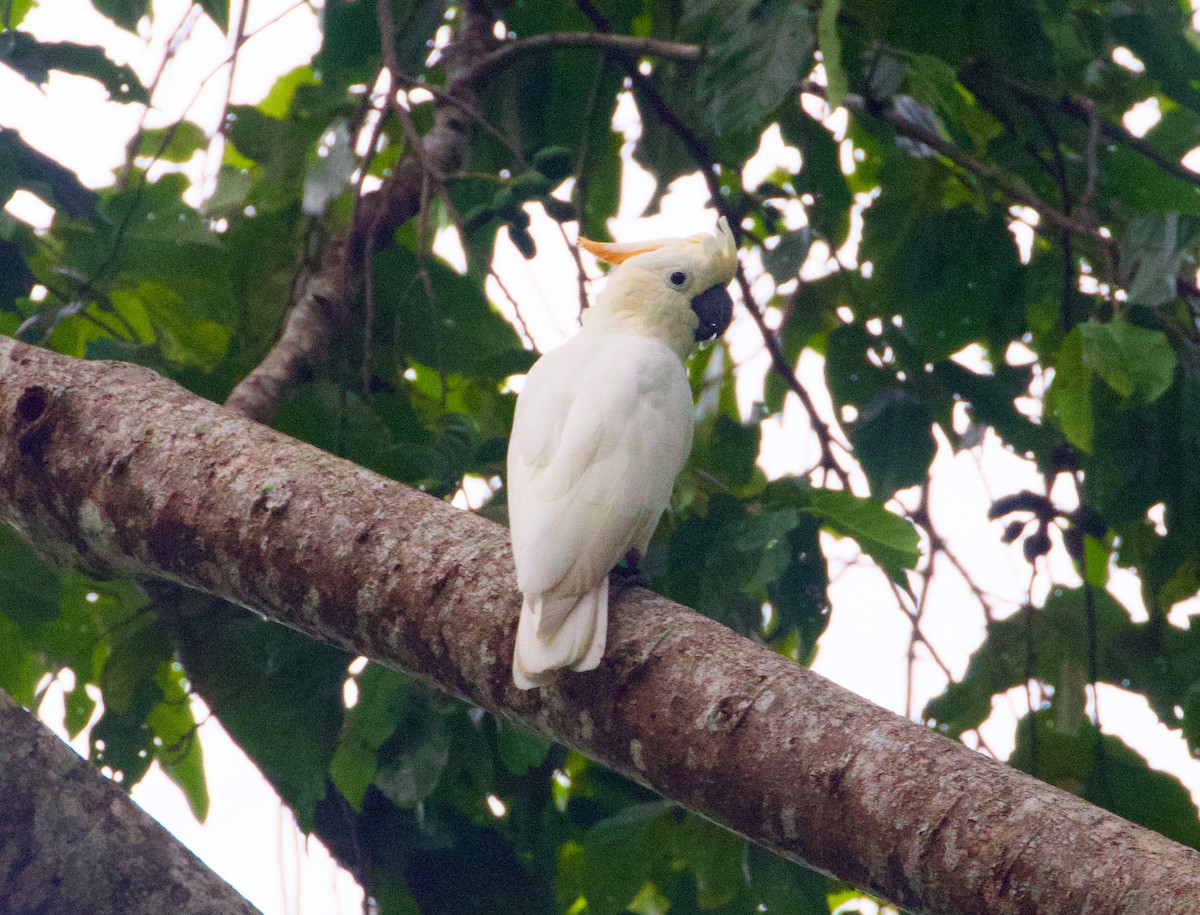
603, 426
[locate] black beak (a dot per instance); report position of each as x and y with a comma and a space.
714, 308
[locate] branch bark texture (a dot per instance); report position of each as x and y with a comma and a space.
108, 465
73, 842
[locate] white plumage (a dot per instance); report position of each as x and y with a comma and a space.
603, 425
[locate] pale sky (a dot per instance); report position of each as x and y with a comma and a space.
249, 838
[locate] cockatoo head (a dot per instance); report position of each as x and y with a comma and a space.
671, 288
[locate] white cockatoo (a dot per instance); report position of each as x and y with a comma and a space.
603, 425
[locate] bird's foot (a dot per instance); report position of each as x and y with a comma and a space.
629, 573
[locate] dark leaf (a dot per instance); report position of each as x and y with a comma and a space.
30, 592
784, 261
893, 440
761, 53
888, 539
125, 13
1138, 364
177, 143
24, 168
218, 12
34, 60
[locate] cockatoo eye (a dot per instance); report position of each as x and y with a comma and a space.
678, 279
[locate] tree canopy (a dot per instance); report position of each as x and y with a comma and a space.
1018, 269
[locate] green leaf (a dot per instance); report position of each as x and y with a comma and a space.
730, 452
1103, 770
1057, 632
887, 538
991, 397
455, 330
893, 440
125, 13
715, 858
520, 750
764, 536
12, 12
830, 45
935, 83
1138, 364
954, 278
1167, 53
20, 669
329, 174
177, 143
820, 174
413, 774
352, 770
784, 261
183, 338
278, 103
783, 887
233, 187
852, 369
281, 695
30, 592
218, 12
175, 731
617, 857
350, 49
1143, 186
1160, 250
368, 725
34, 60
416, 26
121, 738
761, 53
1069, 398
80, 707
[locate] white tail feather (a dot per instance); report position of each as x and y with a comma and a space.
558, 632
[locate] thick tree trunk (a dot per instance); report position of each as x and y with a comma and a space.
111, 466
72, 842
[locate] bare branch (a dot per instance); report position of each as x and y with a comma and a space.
628, 46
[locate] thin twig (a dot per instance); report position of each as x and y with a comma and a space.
781, 367
628, 46
1093, 147
239, 38
917, 634
516, 308
178, 35
580, 273
369, 254
985, 171
1084, 109
922, 599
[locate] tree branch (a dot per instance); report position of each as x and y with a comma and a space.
112, 466
71, 841
984, 171
309, 325
608, 42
